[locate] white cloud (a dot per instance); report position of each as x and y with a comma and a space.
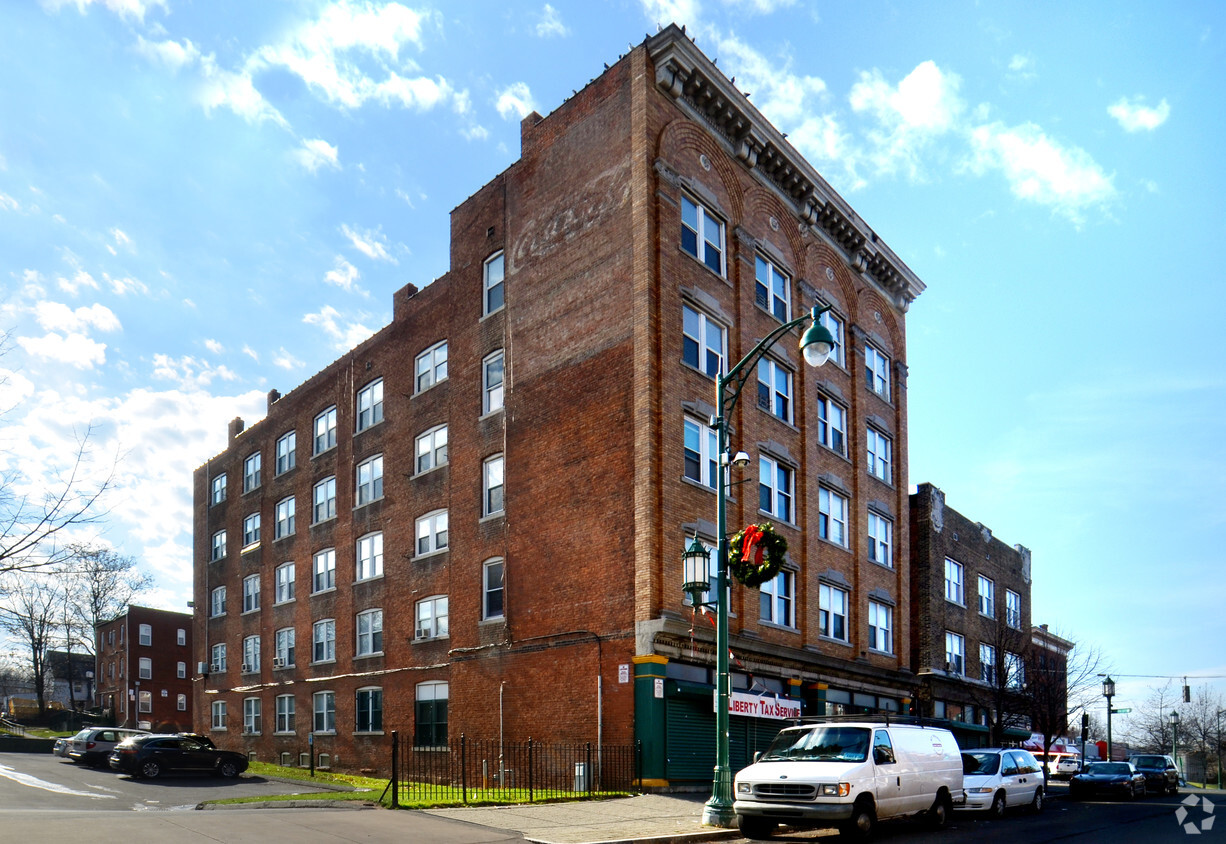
1041, 170
8, 203
316, 153
922, 107
344, 275
170, 54
124, 286
372, 244
344, 337
515, 101
1022, 66
74, 349
251, 353
127, 9
214, 346
680, 12
79, 280
284, 360
1135, 117
121, 238
762, 7
188, 371
222, 88
550, 23
55, 316
475, 133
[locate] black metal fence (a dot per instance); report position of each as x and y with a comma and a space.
489, 771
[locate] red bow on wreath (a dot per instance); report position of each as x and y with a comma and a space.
750, 545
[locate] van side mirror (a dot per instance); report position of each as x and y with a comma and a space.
757, 755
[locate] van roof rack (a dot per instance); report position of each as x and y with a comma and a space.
886, 718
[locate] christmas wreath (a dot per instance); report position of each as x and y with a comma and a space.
755, 555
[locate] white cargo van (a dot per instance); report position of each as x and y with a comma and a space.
850, 774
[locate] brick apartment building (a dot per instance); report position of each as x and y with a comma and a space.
144, 667
476, 517
970, 616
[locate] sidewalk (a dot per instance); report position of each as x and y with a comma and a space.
646, 819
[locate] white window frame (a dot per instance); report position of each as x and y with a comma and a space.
251, 593
251, 472
181, 702
373, 695
879, 455
493, 486
772, 289
370, 405
430, 367
489, 589
251, 530
285, 517
987, 663
430, 450
219, 546
144, 668
1013, 609
287, 452
777, 486
181, 636
832, 516
251, 654
493, 382
323, 500
986, 587
706, 456
775, 389
145, 634
880, 627
323, 569
832, 424
706, 232
777, 601
431, 618
284, 707
1015, 670
880, 539
284, 646
832, 613
834, 324
431, 533
369, 640
323, 712
323, 431
283, 583
323, 641
253, 716
955, 582
218, 712
877, 371
699, 329
217, 657
369, 480
494, 283
955, 653
368, 559
218, 494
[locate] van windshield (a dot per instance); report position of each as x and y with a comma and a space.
820, 744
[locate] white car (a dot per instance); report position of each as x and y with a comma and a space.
999, 779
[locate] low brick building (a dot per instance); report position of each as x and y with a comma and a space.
473, 521
143, 669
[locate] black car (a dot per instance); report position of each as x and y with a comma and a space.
1161, 775
1120, 779
152, 756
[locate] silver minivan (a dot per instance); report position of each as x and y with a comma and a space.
93, 746
998, 779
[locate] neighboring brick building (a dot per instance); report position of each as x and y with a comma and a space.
144, 668
970, 616
482, 508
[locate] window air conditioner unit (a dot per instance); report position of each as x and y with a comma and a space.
278, 662
214, 668
246, 668
247, 731
421, 633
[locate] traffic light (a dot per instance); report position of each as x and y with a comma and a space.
1187, 693
1085, 726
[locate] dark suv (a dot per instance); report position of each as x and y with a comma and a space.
1161, 775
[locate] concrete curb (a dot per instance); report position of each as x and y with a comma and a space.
679, 838
289, 804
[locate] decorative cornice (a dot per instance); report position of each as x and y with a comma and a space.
686, 75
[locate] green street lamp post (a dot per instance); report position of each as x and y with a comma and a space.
816, 344
1108, 693
1175, 737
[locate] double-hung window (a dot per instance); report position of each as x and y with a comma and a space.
878, 454
370, 632
284, 525
987, 597
431, 618
217, 602
251, 472
219, 545
491, 382
251, 530
287, 450
283, 583
955, 653
251, 593
491, 589
432, 532
775, 389
877, 371
495, 272
431, 366
285, 714
283, 644
430, 714
832, 612
324, 712
217, 658
701, 457
702, 235
144, 668
370, 404
251, 654
219, 489
703, 342
1013, 609
880, 531
987, 664
775, 488
835, 326
832, 516
777, 599
324, 500
432, 449
370, 480
954, 592
145, 634
218, 710
369, 710
369, 561
252, 716
493, 484
831, 425
325, 430
880, 627
323, 640
772, 289
1015, 672
323, 570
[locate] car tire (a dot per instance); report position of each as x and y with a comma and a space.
1036, 803
938, 815
859, 827
755, 829
1172, 789
997, 809
150, 769
229, 769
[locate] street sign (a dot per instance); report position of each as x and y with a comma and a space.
1120, 711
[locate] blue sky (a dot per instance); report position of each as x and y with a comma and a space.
202, 201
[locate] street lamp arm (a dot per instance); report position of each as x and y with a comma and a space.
732, 383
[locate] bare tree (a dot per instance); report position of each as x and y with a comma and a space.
100, 584
1198, 732
31, 617
1150, 729
1057, 683
999, 694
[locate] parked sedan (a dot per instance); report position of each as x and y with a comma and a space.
152, 756
1161, 775
1120, 779
93, 745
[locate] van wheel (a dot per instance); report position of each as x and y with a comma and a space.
860, 826
938, 815
755, 828
1036, 805
997, 809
